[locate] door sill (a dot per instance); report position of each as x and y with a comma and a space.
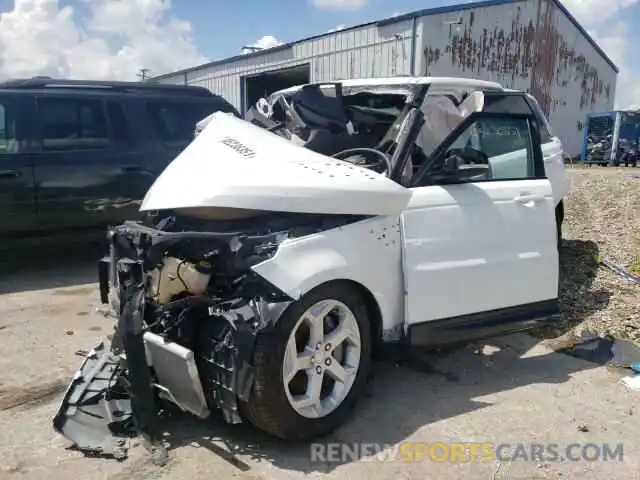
477, 326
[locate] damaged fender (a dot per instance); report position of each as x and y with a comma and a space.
345, 253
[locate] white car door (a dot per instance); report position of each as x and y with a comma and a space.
552, 153
480, 254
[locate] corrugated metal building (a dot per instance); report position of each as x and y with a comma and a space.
535, 45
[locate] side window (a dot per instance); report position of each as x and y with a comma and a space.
120, 127
4, 135
72, 124
490, 148
8, 143
220, 104
176, 121
499, 136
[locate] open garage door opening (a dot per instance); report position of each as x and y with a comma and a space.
264, 84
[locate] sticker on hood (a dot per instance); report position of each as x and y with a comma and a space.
238, 147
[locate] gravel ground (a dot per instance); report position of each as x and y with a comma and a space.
602, 219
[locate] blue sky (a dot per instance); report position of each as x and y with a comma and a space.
115, 38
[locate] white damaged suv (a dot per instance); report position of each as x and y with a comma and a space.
413, 211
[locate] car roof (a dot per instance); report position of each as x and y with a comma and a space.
439, 84
93, 87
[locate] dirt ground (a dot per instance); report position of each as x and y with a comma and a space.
602, 221
517, 391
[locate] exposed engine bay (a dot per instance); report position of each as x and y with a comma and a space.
188, 309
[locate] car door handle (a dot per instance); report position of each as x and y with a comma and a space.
10, 173
528, 199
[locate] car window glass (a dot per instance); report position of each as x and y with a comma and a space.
120, 127
220, 104
176, 121
503, 144
8, 143
72, 124
3, 129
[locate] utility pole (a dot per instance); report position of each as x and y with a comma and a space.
143, 74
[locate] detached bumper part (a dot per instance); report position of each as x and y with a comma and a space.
177, 373
95, 412
88, 415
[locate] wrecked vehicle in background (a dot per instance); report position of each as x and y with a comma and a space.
272, 272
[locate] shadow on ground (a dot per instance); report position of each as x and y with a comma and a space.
29, 269
579, 295
429, 388
400, 400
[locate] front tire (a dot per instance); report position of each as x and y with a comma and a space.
312, 367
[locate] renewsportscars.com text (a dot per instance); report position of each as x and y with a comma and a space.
462, 452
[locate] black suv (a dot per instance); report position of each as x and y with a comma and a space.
79, 155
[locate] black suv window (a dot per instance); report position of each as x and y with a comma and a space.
8, 137
72, 124
4, 130
120, 126
175, 121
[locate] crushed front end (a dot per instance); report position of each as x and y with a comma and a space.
188, 308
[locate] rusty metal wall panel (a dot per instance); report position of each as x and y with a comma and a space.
530, 45
492, 43
371, 51
225, 79
576, 79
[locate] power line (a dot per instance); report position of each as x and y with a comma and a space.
143, 74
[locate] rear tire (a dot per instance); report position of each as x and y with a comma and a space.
559, 221
272, 406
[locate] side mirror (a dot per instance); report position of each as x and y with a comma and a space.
452, 162
469, 156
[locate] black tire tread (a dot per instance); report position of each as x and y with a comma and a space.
265, 409
559, 222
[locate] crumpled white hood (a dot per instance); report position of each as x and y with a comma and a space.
235, 164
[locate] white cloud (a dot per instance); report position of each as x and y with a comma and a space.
268, 41
610, 30
98, 39
337, 29
616, 44
591, 12
339, 4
